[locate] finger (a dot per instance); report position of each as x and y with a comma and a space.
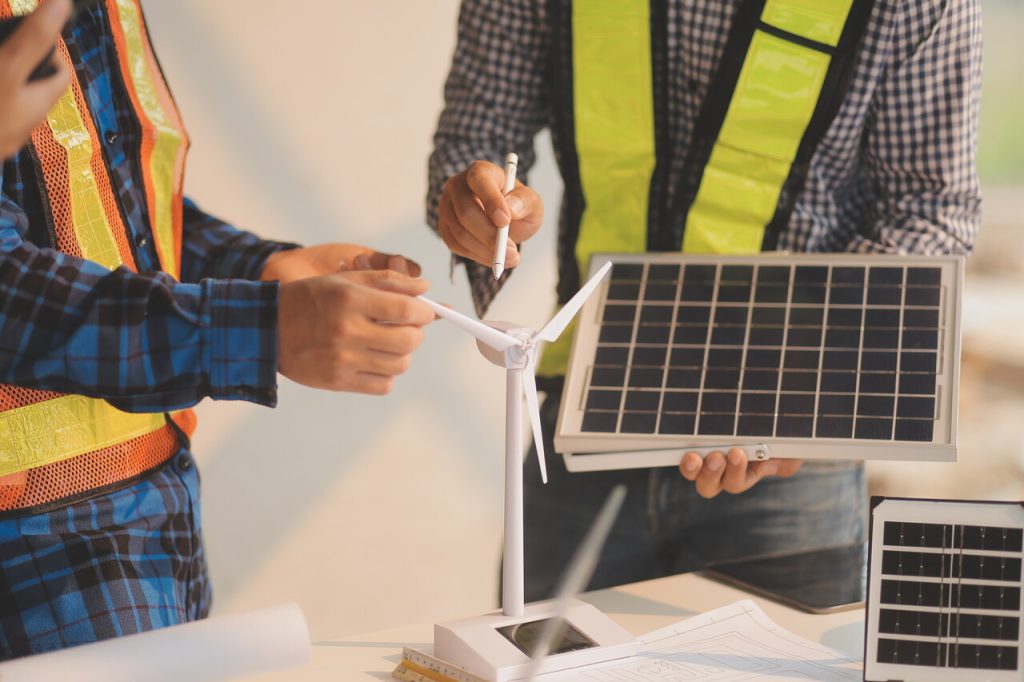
404, 265
734, 480
393, 308
689, 466
388, 364
485, 180
458, 240
36, 36
397, 283
372, 384
527, 213
394, 339
709, 481
470, 215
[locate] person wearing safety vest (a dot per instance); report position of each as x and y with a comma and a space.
122, 304
725, 126
24, 102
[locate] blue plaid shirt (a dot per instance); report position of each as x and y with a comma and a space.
143, 341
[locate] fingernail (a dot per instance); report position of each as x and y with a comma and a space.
362, 262
516, 205
714, 464
691, 465
735, 459
500, 217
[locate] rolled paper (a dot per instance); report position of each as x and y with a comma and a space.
221, 648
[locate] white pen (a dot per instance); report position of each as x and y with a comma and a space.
511, 162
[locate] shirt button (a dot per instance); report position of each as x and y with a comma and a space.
141, 241
184, 463
111, 138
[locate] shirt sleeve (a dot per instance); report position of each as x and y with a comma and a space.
145, 343
922, 131
211, 248
495, 103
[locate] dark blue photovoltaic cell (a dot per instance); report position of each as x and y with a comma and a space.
600, 422
604, 400
627, 271
760, 380
691, 334
664, 272
846, 351
643, 400
611, 355
715, 424
649, 355
770, 316
674, 423
800, 380
755, 425
766, 336
683, 378
680, 401
931, 276
834, 427
638, 422
766, 293
699, 273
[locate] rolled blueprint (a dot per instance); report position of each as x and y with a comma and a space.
220, 648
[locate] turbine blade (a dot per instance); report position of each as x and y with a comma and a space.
498, 340
557, 324
533, 407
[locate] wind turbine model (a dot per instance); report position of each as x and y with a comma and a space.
493, 646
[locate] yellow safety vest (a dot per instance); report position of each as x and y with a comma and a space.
781, 79
40, 428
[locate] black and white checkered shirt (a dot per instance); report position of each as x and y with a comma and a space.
894, 173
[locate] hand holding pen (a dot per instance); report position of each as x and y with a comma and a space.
474, 208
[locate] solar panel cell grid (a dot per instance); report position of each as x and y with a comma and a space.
842, 350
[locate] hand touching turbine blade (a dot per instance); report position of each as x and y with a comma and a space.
533, 407
497, 340
557, 324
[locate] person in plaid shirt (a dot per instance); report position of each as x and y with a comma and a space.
100, 536
894, 172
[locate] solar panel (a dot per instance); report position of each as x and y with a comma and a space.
944, 591
809, 355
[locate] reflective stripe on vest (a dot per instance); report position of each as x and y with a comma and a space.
164, 144
39, 427
772, 111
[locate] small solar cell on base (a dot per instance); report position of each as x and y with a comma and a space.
944, 591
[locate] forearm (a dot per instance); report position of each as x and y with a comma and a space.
211, 248
143, 342
921, 145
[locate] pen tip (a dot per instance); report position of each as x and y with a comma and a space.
498, 269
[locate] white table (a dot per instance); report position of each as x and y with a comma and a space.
639, 608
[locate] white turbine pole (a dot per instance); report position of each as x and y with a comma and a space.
512, 597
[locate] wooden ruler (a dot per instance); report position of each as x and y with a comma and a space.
417, 666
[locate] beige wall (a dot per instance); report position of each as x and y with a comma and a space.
314, 124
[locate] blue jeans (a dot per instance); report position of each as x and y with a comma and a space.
665, 527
